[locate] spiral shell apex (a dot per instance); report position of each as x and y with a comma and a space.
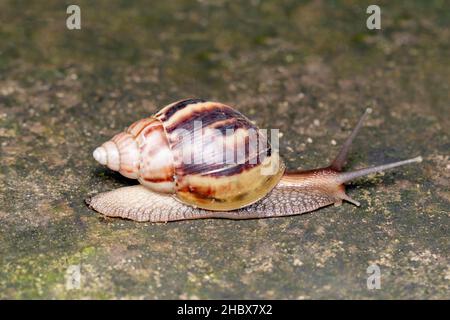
121, 154
200, 151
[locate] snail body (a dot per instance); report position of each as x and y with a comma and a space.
202, 159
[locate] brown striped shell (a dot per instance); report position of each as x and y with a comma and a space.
206, 153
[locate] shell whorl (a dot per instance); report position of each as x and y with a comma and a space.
121, 154
219, 155
156, 170
141, 152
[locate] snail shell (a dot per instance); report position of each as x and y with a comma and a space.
206, 154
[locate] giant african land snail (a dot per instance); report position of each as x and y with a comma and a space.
153, 150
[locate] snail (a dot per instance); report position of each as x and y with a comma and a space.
178, 157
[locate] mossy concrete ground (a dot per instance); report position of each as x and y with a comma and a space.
308, 68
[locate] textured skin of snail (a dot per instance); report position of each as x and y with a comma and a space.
154, 150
